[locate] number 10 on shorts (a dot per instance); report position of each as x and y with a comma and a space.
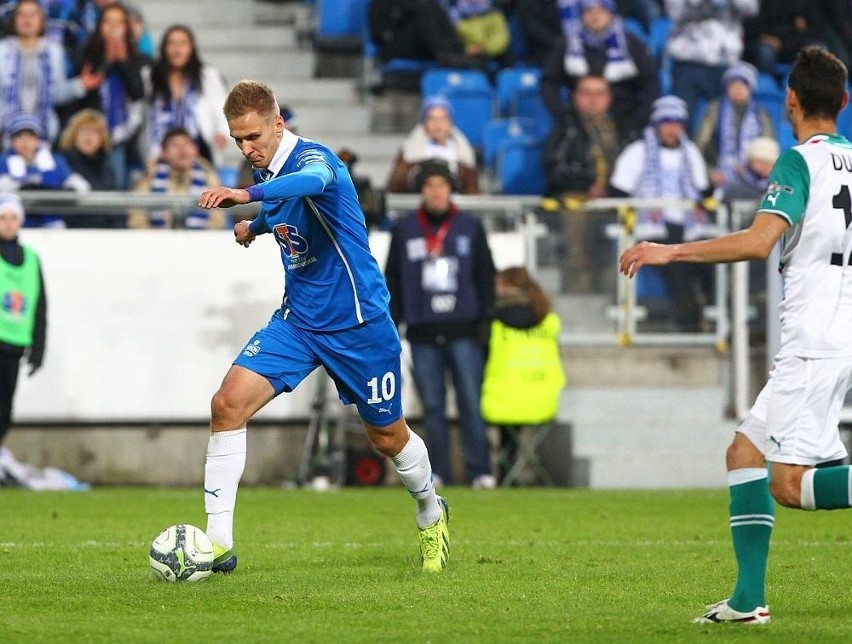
388, 388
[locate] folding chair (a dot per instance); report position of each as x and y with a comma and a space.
525, 441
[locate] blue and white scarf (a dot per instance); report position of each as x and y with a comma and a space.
176, 113
619, 65
197, 217
733, 143
114, 105
14, 81
655, 183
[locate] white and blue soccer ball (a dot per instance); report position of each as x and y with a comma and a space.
181, 553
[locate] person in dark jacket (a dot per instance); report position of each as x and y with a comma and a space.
85, 144
579, 157
596, 43
23, 306
440, 275
780, 30
417, 30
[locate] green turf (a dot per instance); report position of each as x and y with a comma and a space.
526, 565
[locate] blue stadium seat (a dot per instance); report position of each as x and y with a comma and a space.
341, 25
500, 129
441, 79
519, 166
375, 71
469, 92
519, 94
774, 104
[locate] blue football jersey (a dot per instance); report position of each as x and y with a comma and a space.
332, 280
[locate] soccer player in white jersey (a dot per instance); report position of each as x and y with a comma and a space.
794, 421
334, 314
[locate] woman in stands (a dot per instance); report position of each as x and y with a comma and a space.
45, 84
111, 50
189, 94
435, 137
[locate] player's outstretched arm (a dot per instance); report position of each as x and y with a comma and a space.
223, 197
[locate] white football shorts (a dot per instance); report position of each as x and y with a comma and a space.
796, 415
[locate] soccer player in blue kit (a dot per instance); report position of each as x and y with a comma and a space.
334, 314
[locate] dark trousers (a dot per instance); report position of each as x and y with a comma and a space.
9, 366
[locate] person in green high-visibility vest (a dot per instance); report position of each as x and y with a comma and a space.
23, 306
523, 374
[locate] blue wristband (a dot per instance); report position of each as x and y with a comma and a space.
255, 192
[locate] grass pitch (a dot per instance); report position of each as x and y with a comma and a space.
526, 565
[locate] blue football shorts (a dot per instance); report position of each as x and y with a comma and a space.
363, 361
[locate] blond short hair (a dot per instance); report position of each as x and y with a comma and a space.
250, 96
86, 117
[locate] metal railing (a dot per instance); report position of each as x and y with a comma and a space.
519, 213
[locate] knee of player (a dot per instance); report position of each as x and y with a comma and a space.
222, 406
787, 491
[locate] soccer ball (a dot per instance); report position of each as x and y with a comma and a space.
181, 553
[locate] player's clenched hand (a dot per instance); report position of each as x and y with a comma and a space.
242, 233
223, 197
644, 254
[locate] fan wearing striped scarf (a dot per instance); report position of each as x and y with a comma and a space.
179, 170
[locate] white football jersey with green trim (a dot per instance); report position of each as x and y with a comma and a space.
810, 187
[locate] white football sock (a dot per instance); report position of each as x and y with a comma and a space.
226, 460
415, 470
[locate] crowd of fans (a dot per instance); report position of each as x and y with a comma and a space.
87, 103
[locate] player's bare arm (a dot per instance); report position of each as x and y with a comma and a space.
755, 242
243, 234
223, 197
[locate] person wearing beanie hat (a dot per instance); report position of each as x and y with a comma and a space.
23, 307
440, 275
29, 163
666, 164
730, 123
435, 137
743, 72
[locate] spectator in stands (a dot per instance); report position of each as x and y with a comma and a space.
751, 183
89, 14
579, 157
141, 34
706, 39
179, 170
730, 123
435, 137
523, 373
33, 71
483, 29
581, 149
372, 200
30, 164
665, 163
837, 28
187, 93
440, 275
23, 303
594, 42
417, 30
85, 144
112, 52
780, 30
539, 21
